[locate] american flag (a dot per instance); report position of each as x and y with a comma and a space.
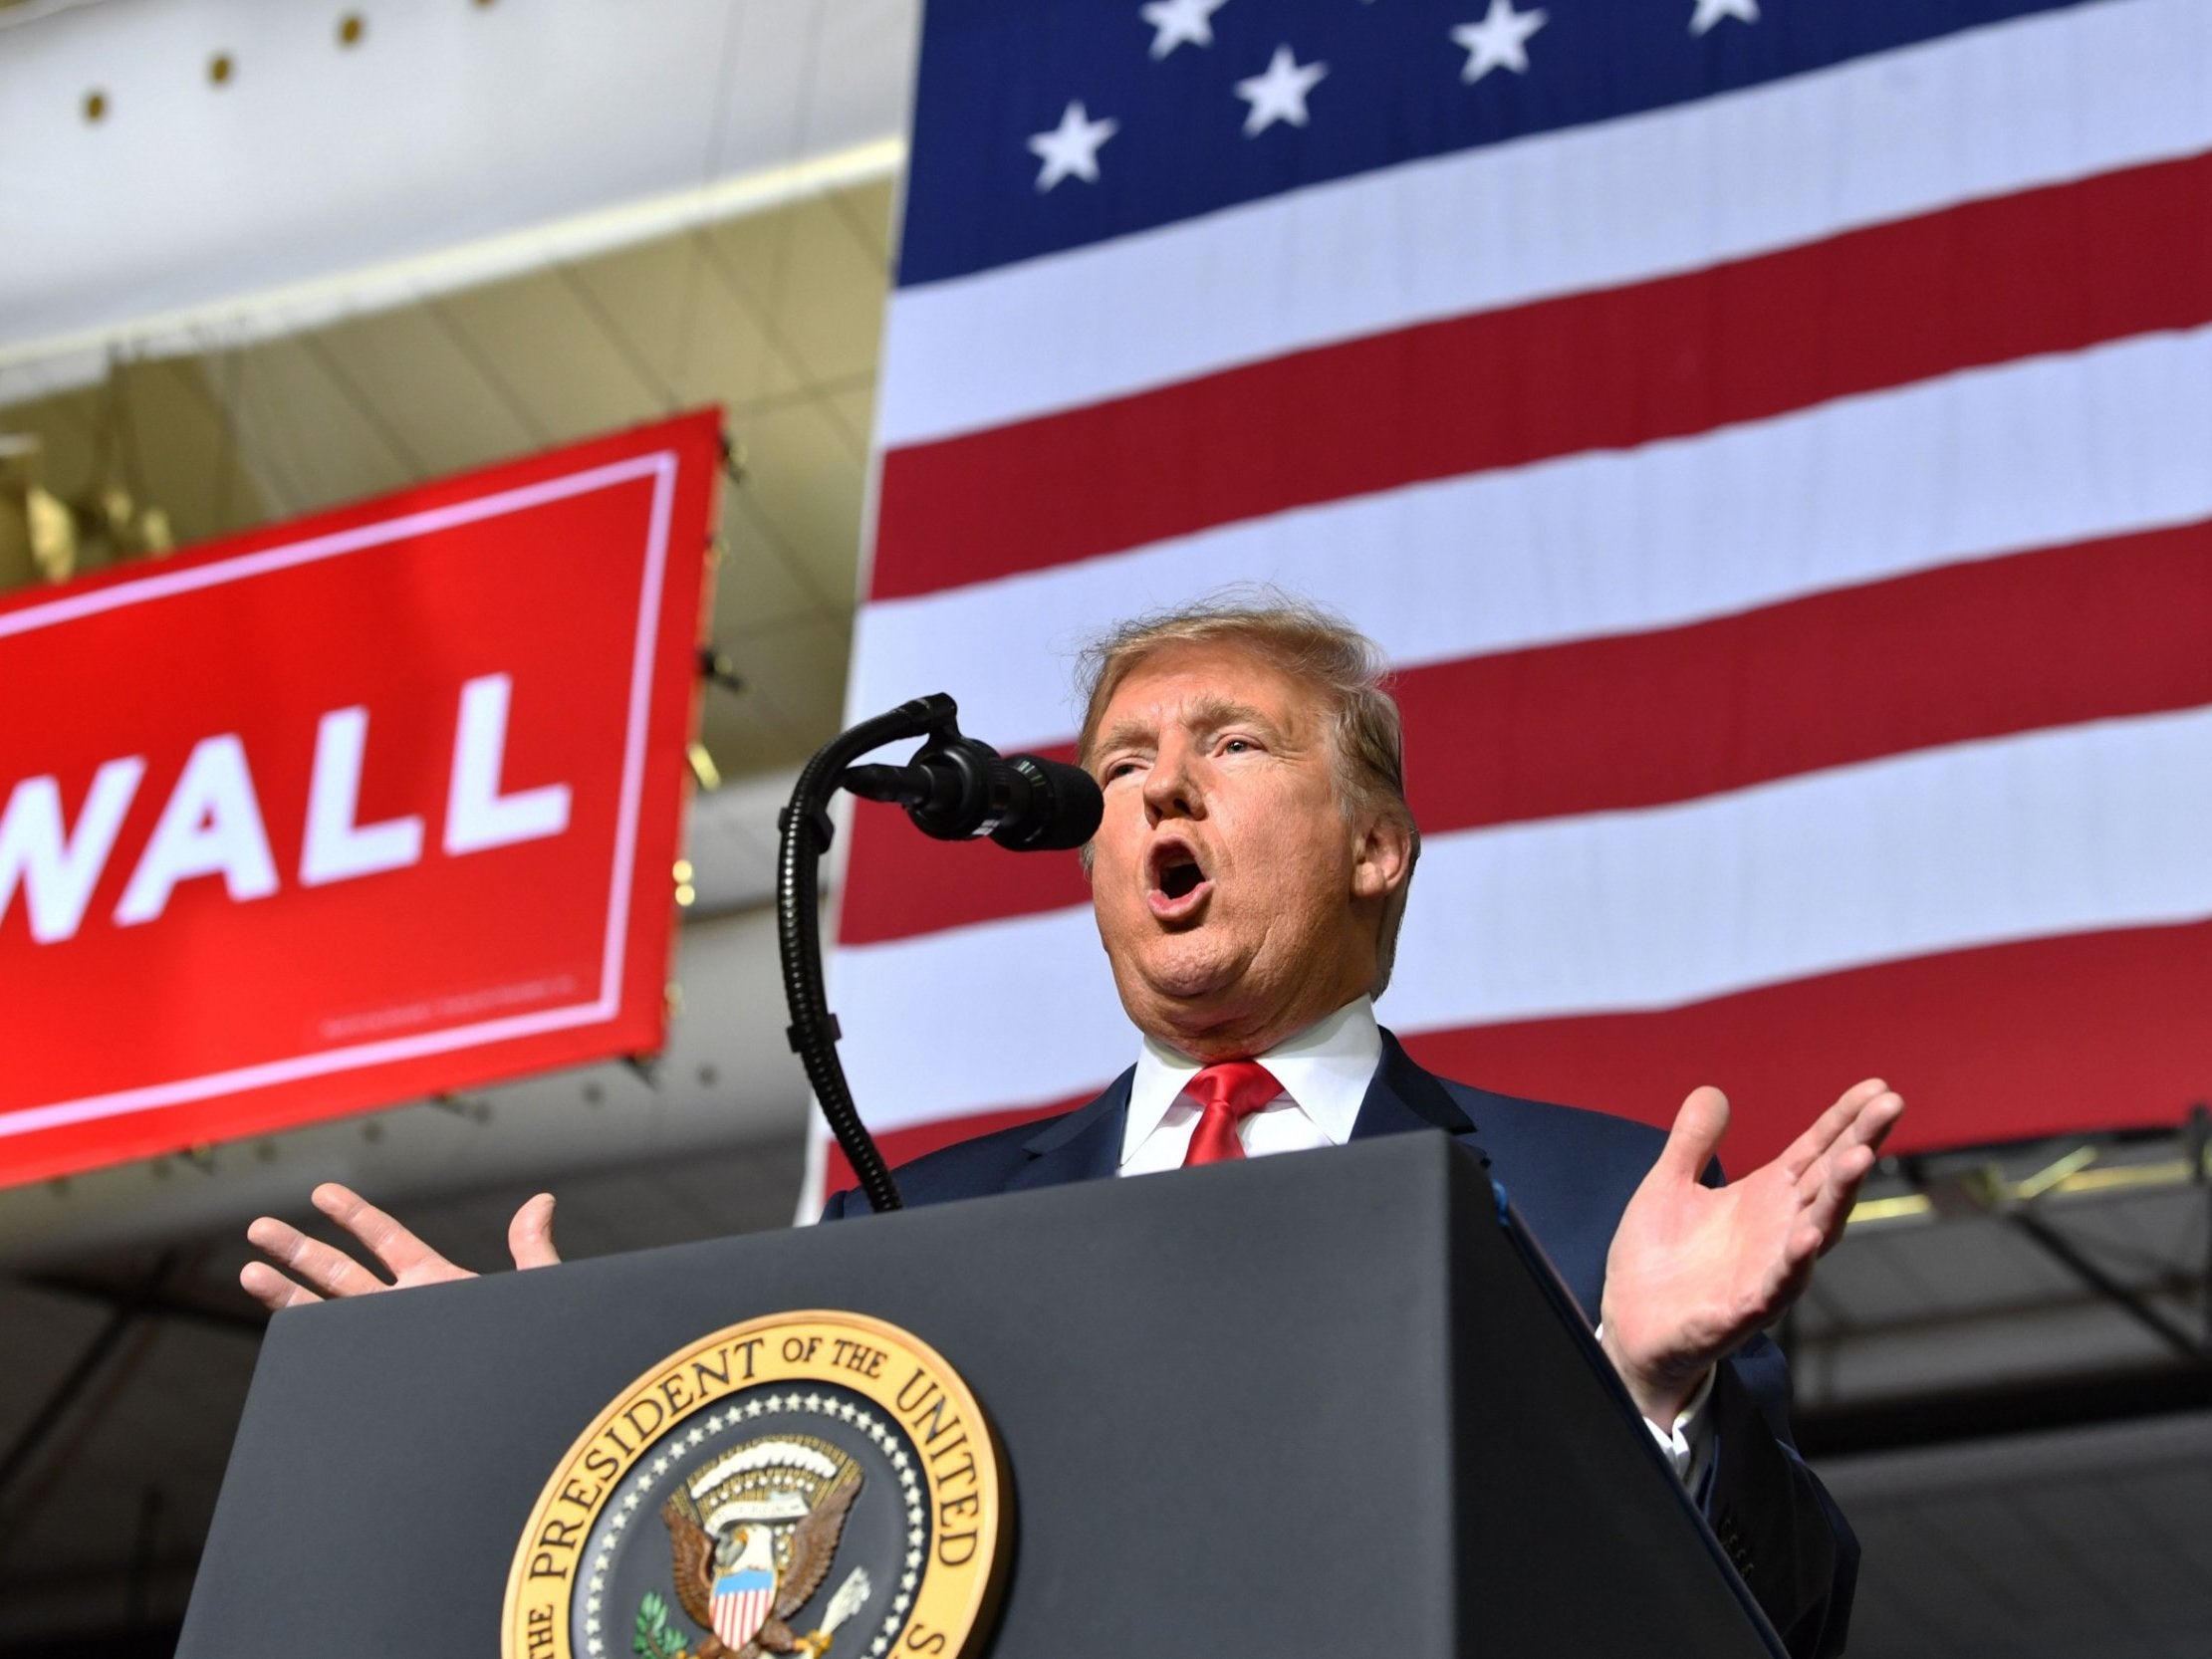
1771, 438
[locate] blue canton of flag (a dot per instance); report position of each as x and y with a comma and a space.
1180, 107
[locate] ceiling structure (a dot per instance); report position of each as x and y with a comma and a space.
757, 286
2080, 1542
775, 317
176, 176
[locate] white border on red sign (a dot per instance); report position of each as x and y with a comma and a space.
660, 467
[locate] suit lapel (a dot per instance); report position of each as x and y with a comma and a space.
1085, 1145
1402, 1096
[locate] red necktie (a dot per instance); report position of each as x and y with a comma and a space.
1227, 1094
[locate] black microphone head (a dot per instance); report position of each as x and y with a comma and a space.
1058, 810
961, 784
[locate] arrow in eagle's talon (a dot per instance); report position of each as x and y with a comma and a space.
850, 1596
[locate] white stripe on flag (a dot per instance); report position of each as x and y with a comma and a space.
2034, 453
2039, 101
2067, 830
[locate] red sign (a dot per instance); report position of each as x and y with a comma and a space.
349, 810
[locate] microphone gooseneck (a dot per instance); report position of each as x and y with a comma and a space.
953, 788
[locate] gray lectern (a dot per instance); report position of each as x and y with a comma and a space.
1320, 1404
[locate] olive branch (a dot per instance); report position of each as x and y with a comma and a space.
655, 1638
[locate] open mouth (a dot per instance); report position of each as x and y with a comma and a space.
1179, 880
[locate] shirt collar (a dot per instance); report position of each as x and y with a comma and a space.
1326, 1069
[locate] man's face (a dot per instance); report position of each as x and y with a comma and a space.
1236, 900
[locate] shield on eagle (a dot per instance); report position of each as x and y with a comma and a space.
742, 1601
753, 1533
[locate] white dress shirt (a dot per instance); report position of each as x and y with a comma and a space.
1325, 1072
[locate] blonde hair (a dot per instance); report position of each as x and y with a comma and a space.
1315, 647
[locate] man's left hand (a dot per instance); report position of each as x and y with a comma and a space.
1696, 1270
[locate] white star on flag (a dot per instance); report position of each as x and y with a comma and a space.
1280, 93
1713, 12
1072, 147
1181, 21
1499, 41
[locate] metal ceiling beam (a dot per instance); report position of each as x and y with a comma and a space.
56, 1406
2078, 1173
2070, 1257
112, 1644
162, 1303
1943, 1418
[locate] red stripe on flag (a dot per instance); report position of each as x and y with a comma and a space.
2049, 1037
2099, 630
2040, 272
900, 883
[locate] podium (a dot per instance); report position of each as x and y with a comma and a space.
1322, 1403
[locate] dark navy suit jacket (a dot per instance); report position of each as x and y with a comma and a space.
1569, 1175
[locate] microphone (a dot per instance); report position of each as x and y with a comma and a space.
956, 788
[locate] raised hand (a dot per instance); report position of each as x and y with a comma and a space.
307, 1261
1695, 1271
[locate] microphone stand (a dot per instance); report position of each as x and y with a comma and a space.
807, 832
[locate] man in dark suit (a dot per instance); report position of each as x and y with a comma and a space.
1248, 881
1570, 1177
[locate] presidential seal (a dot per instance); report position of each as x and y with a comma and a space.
808, 1484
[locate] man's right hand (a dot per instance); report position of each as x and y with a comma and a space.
308, 1270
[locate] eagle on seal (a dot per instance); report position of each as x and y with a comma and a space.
746, 1553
